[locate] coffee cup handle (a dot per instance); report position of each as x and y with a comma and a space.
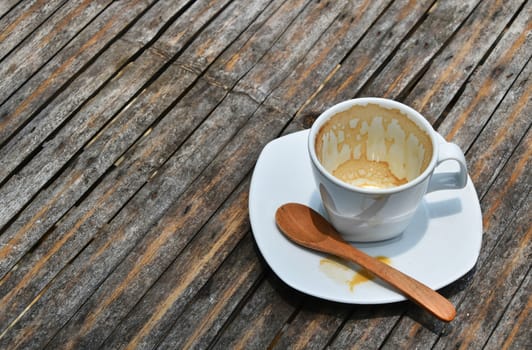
449, 180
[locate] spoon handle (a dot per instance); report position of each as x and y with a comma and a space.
416, 291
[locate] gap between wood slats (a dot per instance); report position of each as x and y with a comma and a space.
518, 291
59, 49
30, 32
187, 138
74, 76
483, 59
176, 100
496, 107
8, 6
216, 212
95, 93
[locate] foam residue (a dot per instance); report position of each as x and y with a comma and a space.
371, 146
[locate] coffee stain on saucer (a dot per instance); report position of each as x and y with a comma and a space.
339, 271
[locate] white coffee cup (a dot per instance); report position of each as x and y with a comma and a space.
373, 161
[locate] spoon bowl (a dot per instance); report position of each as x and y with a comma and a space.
308, 228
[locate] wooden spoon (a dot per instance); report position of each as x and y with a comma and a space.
308, 228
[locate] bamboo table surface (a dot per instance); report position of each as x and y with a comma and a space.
129, 131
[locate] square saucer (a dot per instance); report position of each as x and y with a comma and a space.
441, 244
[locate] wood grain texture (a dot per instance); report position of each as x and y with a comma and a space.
313, 326
512, 329
214, 39
22, 20
102, 154
74, 134
363, 61
219, 298
81, 225
99, 109
50, 80
289, 49
192, 268
496, 75
260, 319
254, 42
442, 20
45, 42
326, 55
6, 6
128, 135
501, 134
194, 206
453, 65
121, 235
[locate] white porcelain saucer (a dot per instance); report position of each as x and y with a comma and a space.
441, 244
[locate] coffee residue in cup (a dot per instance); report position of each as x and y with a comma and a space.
371, 146
367, 174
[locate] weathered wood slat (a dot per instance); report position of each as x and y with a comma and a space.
253, 43
51, 81
496, 75
290, 49
45, 214
63, 243
210, 308
357, 68
314, 325
367, 326
502, 132
201, 320
508, 193
324, 57
260, 319
6, 6
38, 129
223, 30
192, 269
180, 222
55, 153
496, 281
191, 159
454, 64
513, 330
412, 56
45, 42
18, 109
105, 150
112, 244
22, 20
100, 108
